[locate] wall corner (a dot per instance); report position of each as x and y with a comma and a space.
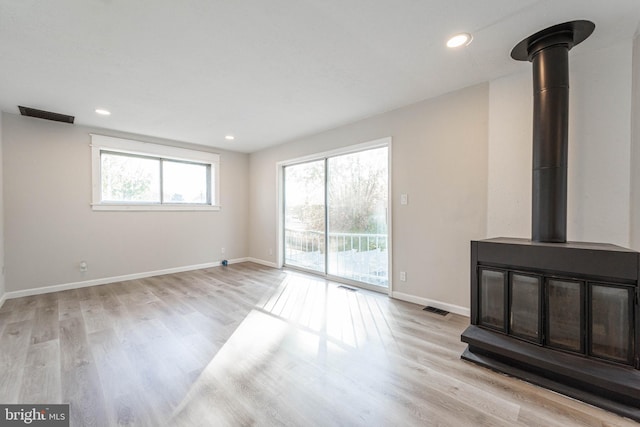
634, 205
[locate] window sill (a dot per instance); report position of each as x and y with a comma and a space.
116, 207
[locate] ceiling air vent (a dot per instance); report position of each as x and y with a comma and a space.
47, 115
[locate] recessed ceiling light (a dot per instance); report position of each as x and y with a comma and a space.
103, 112
462, 39
230, 137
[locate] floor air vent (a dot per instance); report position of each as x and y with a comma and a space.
347, 288
436, 310
47, 115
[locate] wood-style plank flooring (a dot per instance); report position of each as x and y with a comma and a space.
250, 345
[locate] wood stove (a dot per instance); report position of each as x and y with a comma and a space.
563, 315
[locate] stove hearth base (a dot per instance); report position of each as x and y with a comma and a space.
610, 387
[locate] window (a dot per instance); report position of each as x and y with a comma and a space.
133, 175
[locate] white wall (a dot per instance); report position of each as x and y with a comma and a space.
50, 226
599, 149
2, 280
635, 148
510, 152
599, 146
439, 158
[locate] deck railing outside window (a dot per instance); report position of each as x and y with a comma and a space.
358, 256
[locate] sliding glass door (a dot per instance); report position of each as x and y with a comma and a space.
304, 215
336, 216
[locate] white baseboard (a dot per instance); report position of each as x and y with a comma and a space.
103, 281
463, 311
263, 262
237, 260
113, 279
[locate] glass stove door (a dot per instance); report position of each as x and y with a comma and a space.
611, 322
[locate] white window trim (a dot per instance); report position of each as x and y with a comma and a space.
127, 146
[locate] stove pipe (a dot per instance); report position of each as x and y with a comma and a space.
548, 51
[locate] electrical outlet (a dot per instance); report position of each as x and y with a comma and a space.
403, 276
83, 266
404, 199
223, 250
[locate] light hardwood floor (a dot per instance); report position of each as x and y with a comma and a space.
249, 345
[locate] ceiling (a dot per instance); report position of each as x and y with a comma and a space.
265, 71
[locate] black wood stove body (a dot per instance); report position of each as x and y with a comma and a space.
563, 315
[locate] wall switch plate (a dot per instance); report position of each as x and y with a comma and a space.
404, 199
403, 276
